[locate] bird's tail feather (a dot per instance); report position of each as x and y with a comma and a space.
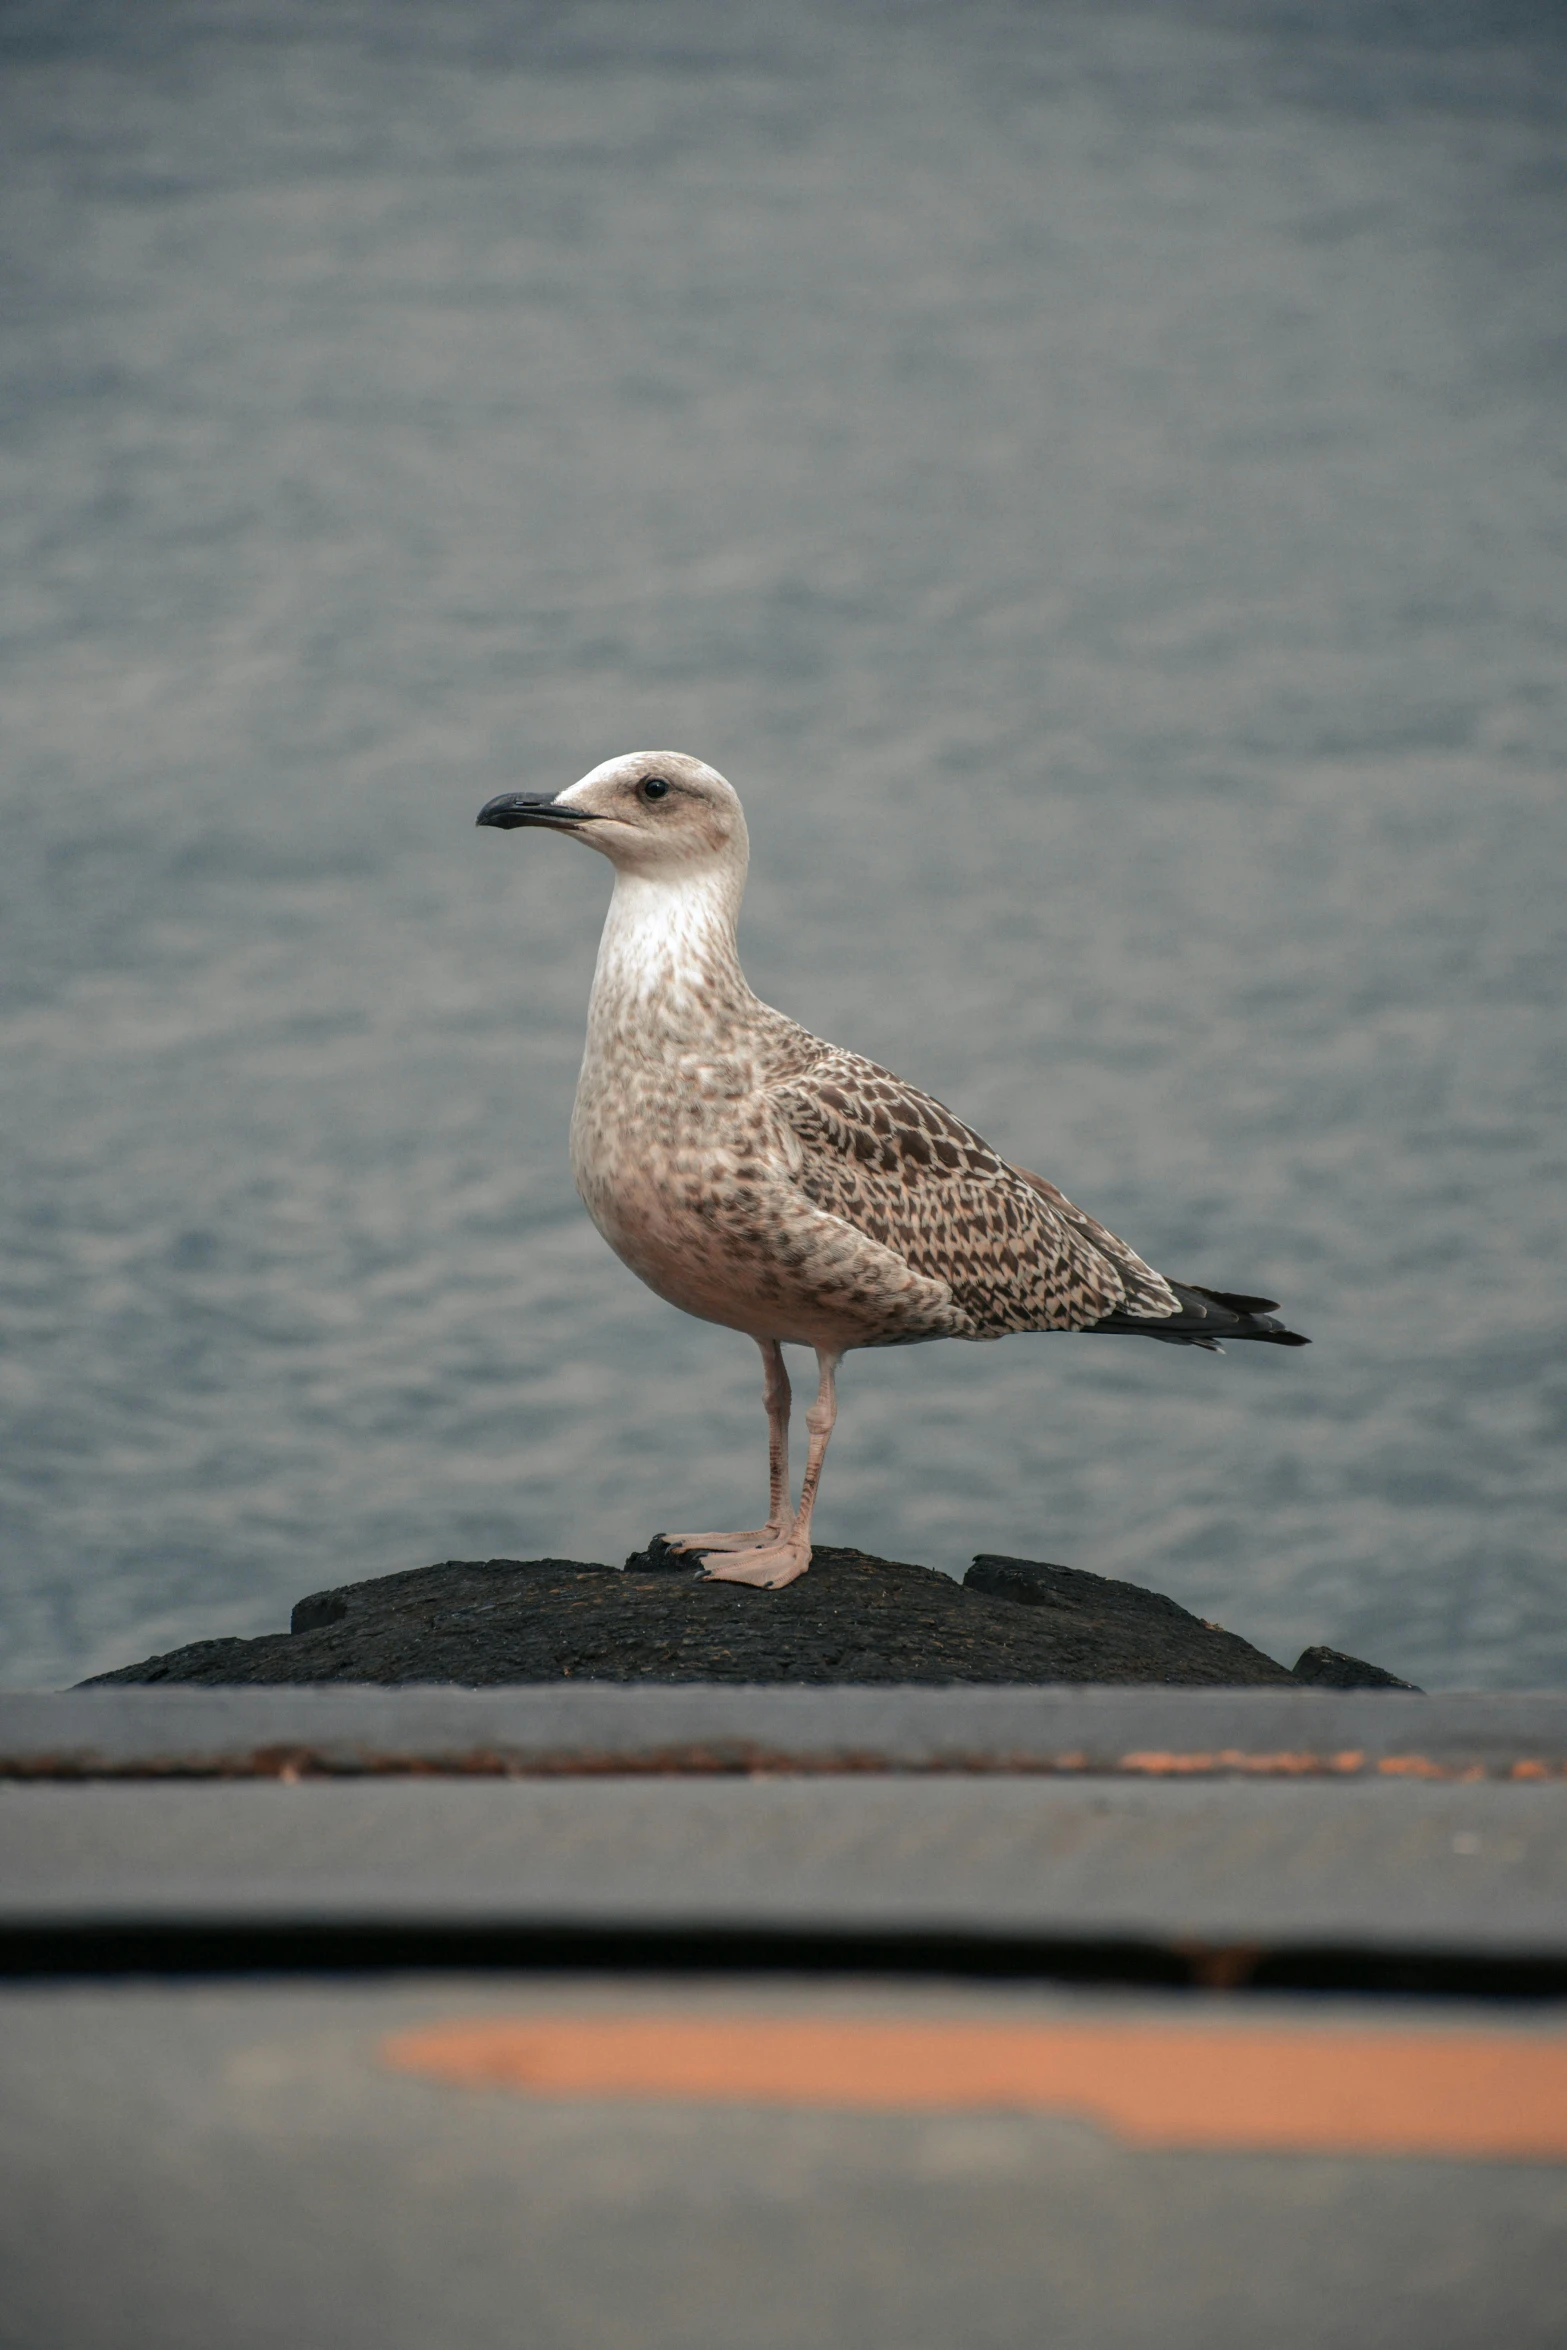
1207, 1316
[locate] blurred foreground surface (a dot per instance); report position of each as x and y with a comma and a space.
240, 2164
739, 2019
1090, 475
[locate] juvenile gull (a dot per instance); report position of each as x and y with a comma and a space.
760, 1178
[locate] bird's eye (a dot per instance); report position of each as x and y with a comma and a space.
654, 788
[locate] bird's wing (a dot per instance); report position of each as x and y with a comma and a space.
902, 1169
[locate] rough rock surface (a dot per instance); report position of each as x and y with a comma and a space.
1330, 1668
853, 1618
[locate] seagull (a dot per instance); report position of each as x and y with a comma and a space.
760, 1178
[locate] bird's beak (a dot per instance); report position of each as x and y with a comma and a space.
511, 808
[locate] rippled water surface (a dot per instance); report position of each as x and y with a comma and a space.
1093, 479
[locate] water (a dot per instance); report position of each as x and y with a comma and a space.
1093, 478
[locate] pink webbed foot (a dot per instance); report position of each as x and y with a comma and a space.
759, 1538
766, 1570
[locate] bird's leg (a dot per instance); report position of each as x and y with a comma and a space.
775, 1389
780, 1562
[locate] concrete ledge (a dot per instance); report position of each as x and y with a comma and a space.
1370, 1864
594, 1729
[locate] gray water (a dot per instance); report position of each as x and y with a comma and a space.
1092, 477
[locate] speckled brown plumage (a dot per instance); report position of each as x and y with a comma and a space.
1011, 1250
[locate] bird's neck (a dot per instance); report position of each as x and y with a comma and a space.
668, 975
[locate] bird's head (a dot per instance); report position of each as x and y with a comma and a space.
649, 812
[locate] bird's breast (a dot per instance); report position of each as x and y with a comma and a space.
672, 1166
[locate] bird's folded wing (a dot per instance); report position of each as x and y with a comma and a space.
1148, 1296
901, 1168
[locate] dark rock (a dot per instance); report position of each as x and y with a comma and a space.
1330, 1668
1031, 1582
659, 1559
853, 1618
322, 1607
1106, 1631
217, 1663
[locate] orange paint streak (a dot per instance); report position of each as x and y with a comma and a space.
1236, 1758
1477, 2094
1152, 1763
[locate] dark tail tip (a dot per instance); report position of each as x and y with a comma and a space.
1236, 1303
1252, 1310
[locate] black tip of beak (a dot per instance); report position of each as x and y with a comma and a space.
511, 808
